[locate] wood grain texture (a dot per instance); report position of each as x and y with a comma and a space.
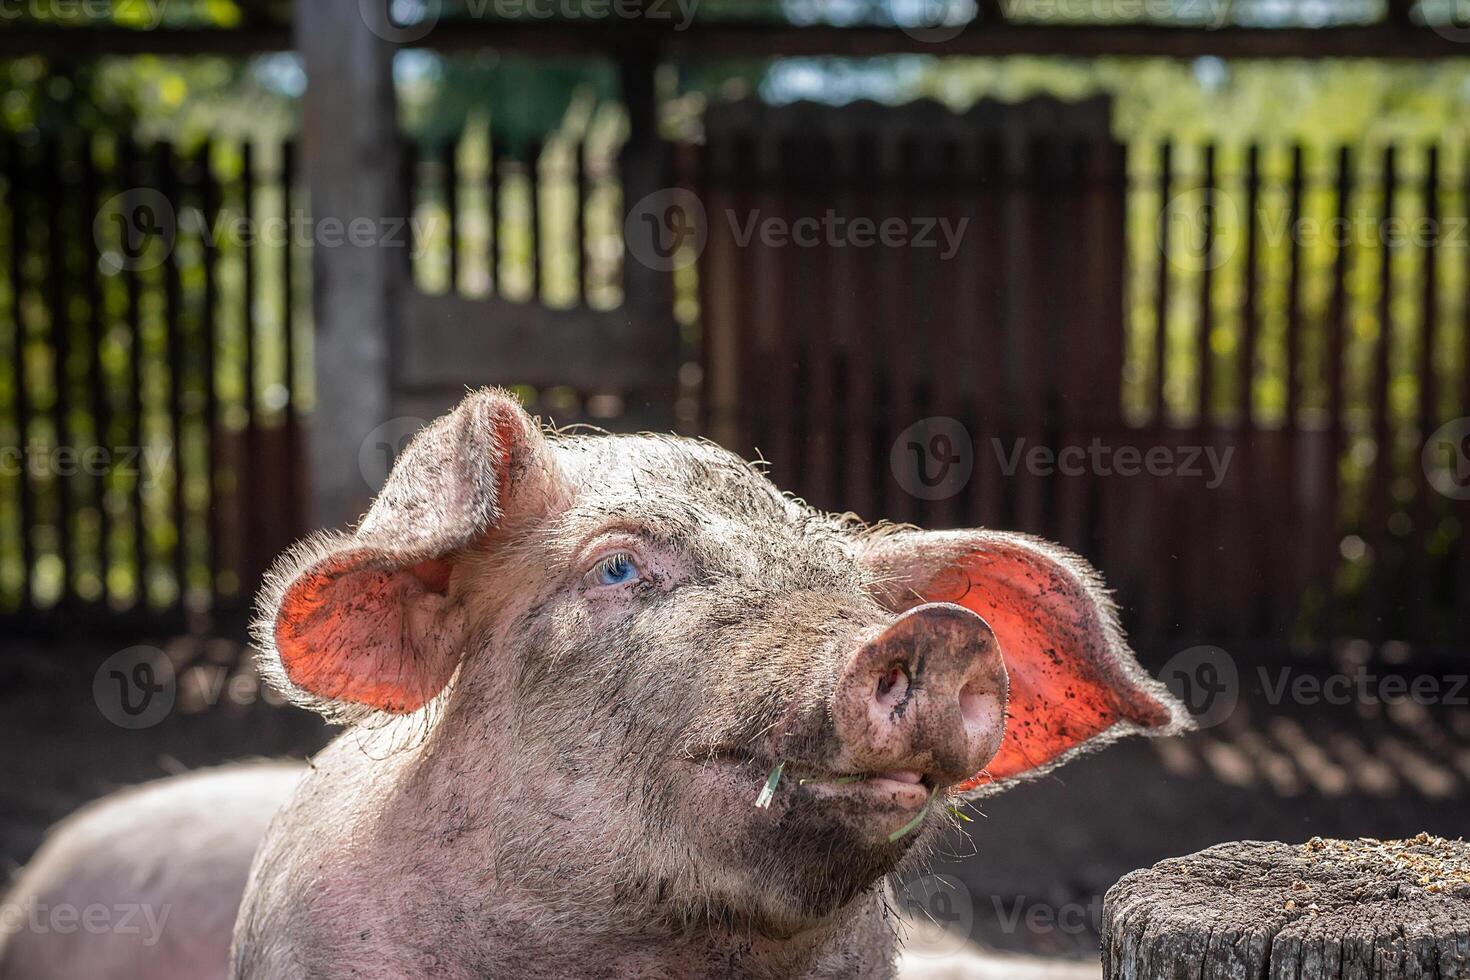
1347, 910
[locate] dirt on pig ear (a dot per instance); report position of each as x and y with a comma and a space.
1074, 683
352, 623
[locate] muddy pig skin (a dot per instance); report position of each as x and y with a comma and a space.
566, 666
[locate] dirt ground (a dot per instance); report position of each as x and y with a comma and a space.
1028, 875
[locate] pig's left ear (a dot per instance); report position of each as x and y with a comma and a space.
1075, 684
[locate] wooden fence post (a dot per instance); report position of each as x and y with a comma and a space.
351, 167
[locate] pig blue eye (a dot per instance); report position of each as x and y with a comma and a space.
615, 570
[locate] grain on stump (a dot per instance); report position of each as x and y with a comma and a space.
1324, 910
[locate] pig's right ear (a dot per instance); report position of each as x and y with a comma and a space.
361, 622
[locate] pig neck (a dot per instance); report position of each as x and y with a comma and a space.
482, 852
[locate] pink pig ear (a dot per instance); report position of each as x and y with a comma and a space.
363, 621
1075, 684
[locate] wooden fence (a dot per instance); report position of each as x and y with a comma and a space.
1207, 394
1174, 370
155, 371
527, 242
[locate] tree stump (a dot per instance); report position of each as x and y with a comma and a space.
1323, 910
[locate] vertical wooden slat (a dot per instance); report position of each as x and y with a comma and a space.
1336, 336
1161, 288
1422, 566
1462, 507
209, 203
18, 179
856, 301
408, 163
1294, 561
493, 252
1250, 311
578, 153
895, 285
99, 403
816, 389
757, 309
781, 340
989, 278
1204, 368
58, 322
1200, 550
1074, 329
533, 194
449, 178
295, 515
168, 184
719, 298
1027, 384
1107, 260
1260, 486
250, 481
1162, 601
1380, 411
131, 177
948, 291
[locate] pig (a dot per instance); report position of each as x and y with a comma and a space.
145, 883
615, 707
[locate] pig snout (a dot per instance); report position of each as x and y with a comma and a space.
923, 699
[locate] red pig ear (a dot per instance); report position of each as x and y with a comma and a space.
352, 623
1075, 684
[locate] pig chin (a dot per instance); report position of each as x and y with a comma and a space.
801, 860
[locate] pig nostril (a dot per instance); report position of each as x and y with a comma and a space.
978, 708
893, 685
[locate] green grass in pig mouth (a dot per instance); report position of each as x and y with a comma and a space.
768, 793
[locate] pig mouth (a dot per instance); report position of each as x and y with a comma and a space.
891, 790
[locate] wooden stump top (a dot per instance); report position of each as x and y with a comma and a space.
1344, 910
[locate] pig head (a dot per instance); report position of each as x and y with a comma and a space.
602, 648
